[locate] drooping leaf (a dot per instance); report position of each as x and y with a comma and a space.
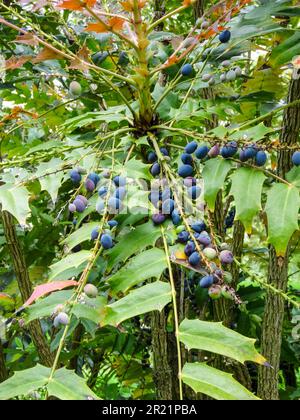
14, 199
50, 176
214, 174
24, 382
214, 383
214, 337
282, 210
71, 261
135, 241
80, 235
148, 264
152, 297
92, 309
68, 386
246, 189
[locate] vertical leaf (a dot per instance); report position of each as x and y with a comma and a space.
246, 188
15, 201
214, 174
282, 209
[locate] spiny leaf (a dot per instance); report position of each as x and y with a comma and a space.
146, 265
15, 201
282, 210
214, 174
154, 296
214, 383
214, 337
246, 189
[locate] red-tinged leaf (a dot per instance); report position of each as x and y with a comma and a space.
91, 3
97, 27
47, 54
28, 39
71, 5
17, 62
45, 289
116, 23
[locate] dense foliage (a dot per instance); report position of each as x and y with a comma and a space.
149, 193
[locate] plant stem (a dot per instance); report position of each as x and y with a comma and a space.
176, 320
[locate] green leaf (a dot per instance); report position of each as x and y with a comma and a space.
51, 183
66, 386
133, 242
24, 382
92, 309
154, 296
294, 176
146, 265
246, 189
80, 235
45, 307
282, 209
286, 51
15, 201
214, 337
254, 133
71, 261
214, 174
134, 169
214, 383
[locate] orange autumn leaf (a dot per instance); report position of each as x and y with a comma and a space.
16, 62
82, 60
129, 5
28, 39
188, 3
46, 54
76, 4
116, 23
98, 27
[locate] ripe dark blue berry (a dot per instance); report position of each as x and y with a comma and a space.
187, 70
168, 206
204, 239
191, 147
195, 259
155, 170
114, 204
158, 218
198, 227
202, 152
94, 177
119, 181
185, 170
106, 241
75, 176
164, 151
61, 319
183, 237
120, 193
187, 159
167, 193
189, 181
214, 151
225, 36
152, 157
261, 158
112, 223
250, 152
176, 218
80, 206
194, 192
296, 159
189, 248
89, 185
243, 156
123, 59
206, 282
102, 191
94, 234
